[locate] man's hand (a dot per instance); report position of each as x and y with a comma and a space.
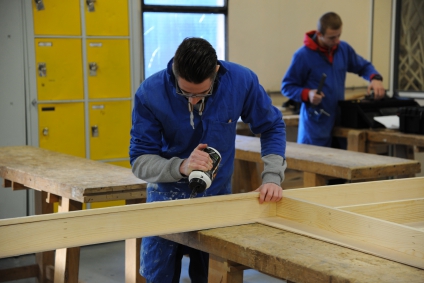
378, 88
269, 192
314, 97
198, 160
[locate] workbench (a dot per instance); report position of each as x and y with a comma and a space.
71, 181
317, 163
289, 256
360, 139
298, 253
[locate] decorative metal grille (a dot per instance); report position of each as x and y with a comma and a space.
411, 46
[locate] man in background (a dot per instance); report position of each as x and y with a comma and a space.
323, 54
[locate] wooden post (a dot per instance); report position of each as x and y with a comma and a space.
223, 271
45, 260
313, 180
132, 254
66, 268
356, 140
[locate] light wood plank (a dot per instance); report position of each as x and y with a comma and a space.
389, 240
401, 212
79, 228
361, 193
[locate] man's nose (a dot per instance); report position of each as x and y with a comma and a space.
194, 100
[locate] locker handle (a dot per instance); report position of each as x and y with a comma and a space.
42, 70
93, 68
45, 131
39, 5
90, 5
94, 131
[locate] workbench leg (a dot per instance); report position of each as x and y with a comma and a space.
246, 176
223, 271
313, 180
132, 255
45, 260
66, 268
356, 140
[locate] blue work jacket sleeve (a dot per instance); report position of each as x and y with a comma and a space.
264, 118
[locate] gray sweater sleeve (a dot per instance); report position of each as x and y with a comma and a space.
155, 169
274, 168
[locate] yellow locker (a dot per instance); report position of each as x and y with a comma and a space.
110, 124
52, 17
59, 69
108, 68
61, 128
107, 17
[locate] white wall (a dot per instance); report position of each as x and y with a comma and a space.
263, 35
12, 97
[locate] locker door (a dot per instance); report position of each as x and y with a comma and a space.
61, 127
108, 68
52, 17
110, 124
59, 69
107, 17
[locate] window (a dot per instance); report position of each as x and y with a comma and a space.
167, 22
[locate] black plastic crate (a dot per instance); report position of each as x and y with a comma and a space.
411, 120
359, 114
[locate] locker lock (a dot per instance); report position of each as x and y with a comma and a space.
94, 131
93, 68
45, 132
39, 5
42, 70
90, 5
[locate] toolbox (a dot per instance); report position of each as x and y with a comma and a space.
359, 114
411, 120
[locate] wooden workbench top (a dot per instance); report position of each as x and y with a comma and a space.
332, 162
295, 257
68, 176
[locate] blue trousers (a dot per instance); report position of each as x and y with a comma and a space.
160, 261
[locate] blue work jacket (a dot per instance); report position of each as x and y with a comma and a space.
307, 66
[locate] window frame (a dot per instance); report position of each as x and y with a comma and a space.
183, 9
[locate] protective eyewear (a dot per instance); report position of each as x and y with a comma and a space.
193, 95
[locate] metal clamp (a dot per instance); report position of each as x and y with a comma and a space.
42, 70
93, 68
94, 131
90, 5
39, 5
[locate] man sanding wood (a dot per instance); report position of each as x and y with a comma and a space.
194, 103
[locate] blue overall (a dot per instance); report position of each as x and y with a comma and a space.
161, 126
307, 66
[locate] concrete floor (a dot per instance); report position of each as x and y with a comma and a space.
104, 263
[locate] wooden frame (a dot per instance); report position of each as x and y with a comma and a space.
327, 219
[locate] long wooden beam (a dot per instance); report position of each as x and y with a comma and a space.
362, 193
375, 236
401, 212
79, 228
72, 229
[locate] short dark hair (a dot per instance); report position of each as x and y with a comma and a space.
329, 20
195, 60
